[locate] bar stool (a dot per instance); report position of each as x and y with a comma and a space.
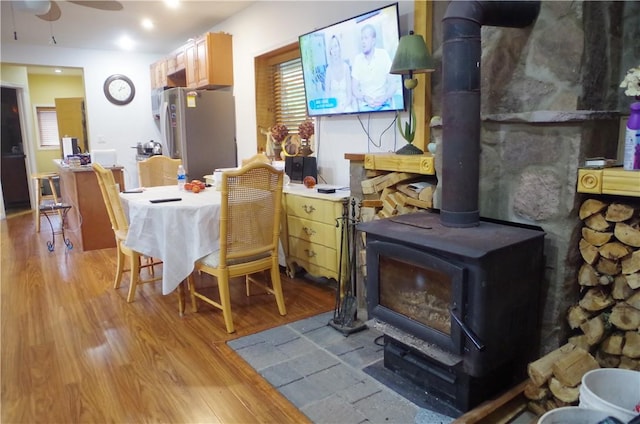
41, 199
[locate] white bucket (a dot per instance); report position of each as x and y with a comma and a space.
572, 415
612, 390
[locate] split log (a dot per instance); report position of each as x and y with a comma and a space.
533, 392
614, 250
631, 264
608, 267
562, 392
606, 360
629, 364
590, 207
580, 341
633, 280
613, 344
594, 330
625, 317
631, 347
577, 316
621, 290
634, 300
618, 212
541, 369
597, 238
595, 300
536, 407
569, 369
627, 234
597, 222
587, 276
379, 183
589, 252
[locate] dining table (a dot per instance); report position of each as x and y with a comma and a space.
176, 226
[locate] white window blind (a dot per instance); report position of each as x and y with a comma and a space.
48, 126
290, 102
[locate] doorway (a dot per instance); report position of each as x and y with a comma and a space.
15, 183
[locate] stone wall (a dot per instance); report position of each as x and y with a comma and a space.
550, 98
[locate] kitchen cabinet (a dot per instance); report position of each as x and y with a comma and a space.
209, 61
313, 229
87, 221
159, 74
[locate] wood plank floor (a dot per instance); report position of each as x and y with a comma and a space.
74, 351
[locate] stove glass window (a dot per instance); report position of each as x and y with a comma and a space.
420, 293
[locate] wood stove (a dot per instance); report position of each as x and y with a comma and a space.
470, 295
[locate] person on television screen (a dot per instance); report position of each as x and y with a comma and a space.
338, 78
372, 84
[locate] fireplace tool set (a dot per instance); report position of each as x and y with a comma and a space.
345, 311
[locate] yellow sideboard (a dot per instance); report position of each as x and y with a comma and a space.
312, 230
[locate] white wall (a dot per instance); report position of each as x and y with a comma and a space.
268, 25
264, 26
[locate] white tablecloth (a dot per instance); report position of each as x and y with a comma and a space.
178, 233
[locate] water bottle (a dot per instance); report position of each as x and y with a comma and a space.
182, 177
632, 140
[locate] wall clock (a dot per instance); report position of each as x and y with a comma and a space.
119, 89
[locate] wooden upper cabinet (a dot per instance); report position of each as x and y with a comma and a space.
209, 61
206, 62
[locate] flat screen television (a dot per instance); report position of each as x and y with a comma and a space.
346, 65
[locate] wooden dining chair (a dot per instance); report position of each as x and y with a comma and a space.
45, 199
158, 170
120, 225
249, 234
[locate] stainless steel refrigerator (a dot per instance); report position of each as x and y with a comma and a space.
198, 126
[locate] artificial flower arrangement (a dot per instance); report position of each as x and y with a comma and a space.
306, 130
279, 132
631, 82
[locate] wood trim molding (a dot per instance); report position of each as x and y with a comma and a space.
423, 25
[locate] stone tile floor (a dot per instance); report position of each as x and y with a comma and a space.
322, 373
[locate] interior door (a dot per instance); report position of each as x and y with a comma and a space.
72, 121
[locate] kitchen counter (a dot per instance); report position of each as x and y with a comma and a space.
88, 223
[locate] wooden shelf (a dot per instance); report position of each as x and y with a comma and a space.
418, 164
616, 181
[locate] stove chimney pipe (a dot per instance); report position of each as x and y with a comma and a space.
461, 53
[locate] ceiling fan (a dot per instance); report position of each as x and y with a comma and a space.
49, 10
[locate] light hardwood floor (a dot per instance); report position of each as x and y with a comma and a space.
74, 351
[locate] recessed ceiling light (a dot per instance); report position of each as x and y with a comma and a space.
173, 4
57, 71
147, 23
125, 43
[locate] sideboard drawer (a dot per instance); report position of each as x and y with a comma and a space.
313, 231
316, 254
314, 209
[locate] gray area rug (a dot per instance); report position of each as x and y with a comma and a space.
322, 373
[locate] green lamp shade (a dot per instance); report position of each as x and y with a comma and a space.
412, 56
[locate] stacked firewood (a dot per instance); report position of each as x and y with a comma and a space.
607, 317
606, 320
395, 193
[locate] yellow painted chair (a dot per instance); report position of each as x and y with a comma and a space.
158, 171
249, 234
120, 225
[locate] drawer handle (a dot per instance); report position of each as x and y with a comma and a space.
308, 230
308, 208
310, 253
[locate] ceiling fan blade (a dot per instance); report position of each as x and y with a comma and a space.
102, 5
53, 14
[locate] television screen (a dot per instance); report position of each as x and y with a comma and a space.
346, 65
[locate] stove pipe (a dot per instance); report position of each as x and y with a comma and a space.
461, 53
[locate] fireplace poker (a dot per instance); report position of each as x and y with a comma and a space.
345, 311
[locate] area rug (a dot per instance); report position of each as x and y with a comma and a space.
323, 373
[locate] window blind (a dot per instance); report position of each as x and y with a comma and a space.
48, 126
290, 102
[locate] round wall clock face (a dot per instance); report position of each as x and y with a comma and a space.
119, 89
